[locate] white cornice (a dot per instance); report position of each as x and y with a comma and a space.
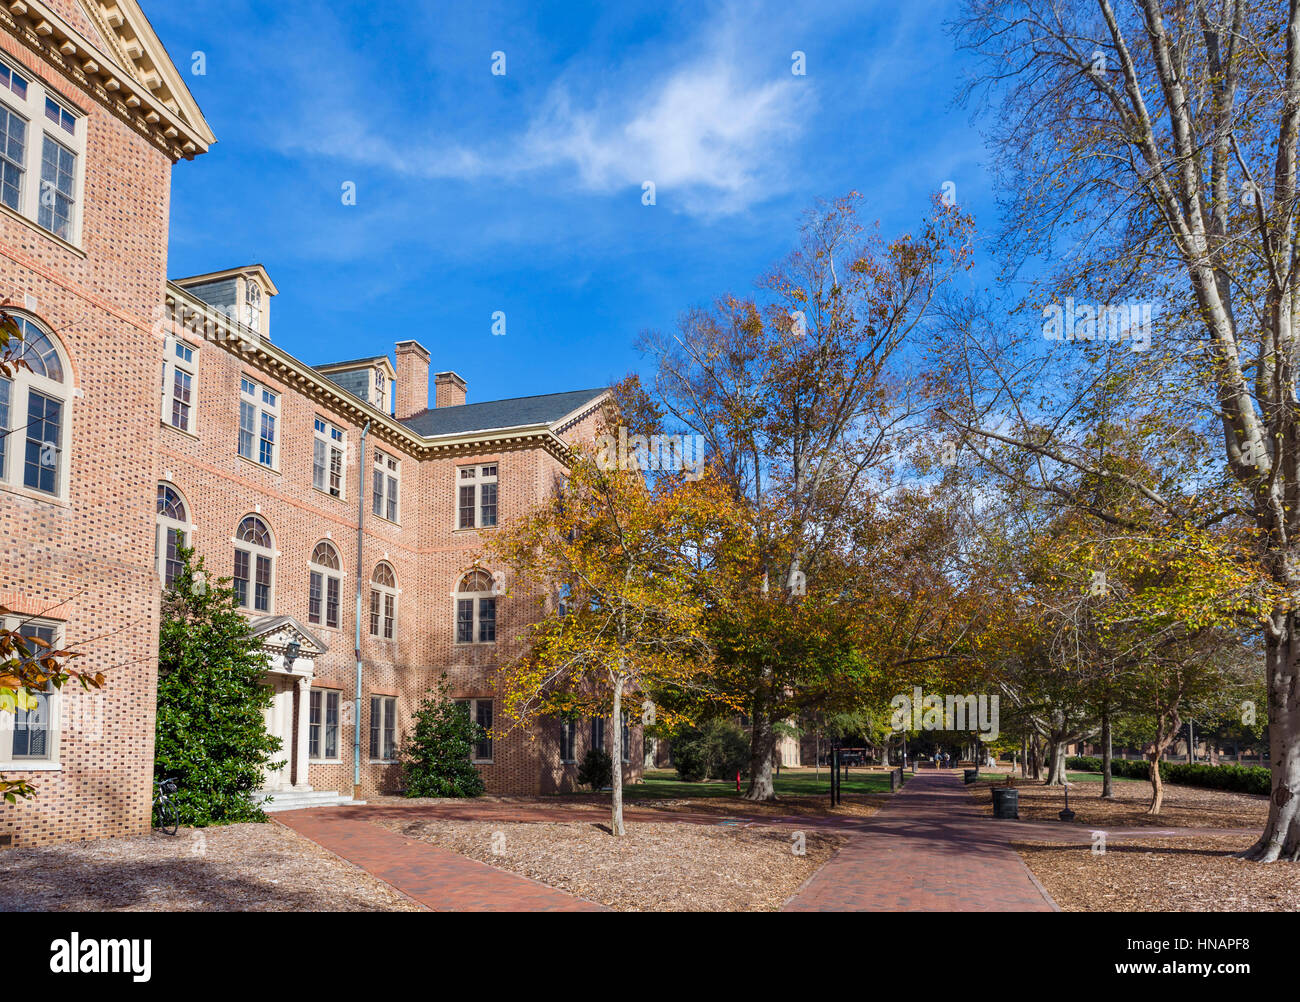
179, 131
214, 327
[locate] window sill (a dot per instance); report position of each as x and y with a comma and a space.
475, 643
180, 431
23, 766
34, 495
482, 761
477, 528
383, 761
332, 497
324, 761
259, 466
384, 518
55, 239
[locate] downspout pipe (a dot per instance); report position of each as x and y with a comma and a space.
356, 705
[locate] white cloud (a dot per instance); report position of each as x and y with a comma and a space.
711, 142
713, 124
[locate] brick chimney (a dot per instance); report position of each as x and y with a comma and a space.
412, 379
449, 390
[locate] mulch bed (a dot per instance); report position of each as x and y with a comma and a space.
661, 866
243, 868
1193, 873
1184, 806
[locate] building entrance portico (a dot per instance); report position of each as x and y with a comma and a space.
291, 652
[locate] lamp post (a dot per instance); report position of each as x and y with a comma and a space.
1067, 814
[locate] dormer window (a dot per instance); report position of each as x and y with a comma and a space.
381, 383
253, 306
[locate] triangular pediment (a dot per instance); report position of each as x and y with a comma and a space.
136, 47
109, 49
276, 633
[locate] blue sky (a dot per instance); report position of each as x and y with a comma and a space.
522, 193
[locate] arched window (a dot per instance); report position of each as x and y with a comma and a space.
476, 609
254, 565
33, 414
252, 306
383, 602
326, 586
173, 533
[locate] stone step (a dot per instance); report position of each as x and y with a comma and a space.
298, 800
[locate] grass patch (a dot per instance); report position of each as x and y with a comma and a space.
663, 784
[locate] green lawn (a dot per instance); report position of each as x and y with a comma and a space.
663, 784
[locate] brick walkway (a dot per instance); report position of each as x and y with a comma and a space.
928, 849
437, 878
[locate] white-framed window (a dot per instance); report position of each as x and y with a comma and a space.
568, 738
383, 602
42, 153
626, 737
383, 729
30, 738
476, 497
259, 416
180, 384
598, 732
387, 479
476, 609
328, 445
34, 432
252, 306
480, 711
325, 586
323, 725
173, 532
254, 579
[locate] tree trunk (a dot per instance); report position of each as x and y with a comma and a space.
1056, 764
1157, 782
616, 815
1024, 756
762, 744
1281, 837
1107, 792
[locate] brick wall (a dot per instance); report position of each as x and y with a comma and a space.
89, 561
428, 553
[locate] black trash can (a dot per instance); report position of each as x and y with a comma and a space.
1006, 802
971, 775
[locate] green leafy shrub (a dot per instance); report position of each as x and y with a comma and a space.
717, 751
1237, 778
596, 770
436, 758
210, 733
688, 756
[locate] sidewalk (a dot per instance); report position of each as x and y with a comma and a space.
928, 849
437, 878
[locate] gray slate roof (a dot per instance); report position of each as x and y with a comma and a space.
545, 409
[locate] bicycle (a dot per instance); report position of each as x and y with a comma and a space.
164, 810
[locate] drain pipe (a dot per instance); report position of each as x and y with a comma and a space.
356, 705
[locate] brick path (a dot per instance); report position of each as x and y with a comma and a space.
928, 849
437, 878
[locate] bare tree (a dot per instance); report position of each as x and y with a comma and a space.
1151, 150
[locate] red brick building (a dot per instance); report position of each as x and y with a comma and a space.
323, 490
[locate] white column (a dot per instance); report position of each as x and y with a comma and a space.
304, 717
